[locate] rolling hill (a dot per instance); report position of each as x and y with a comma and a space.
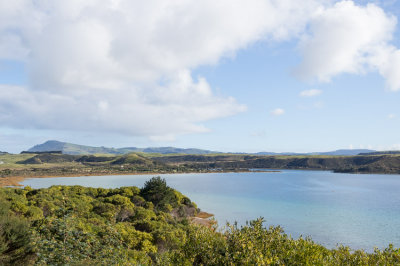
342, 152
76, 149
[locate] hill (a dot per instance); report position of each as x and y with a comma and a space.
380, 153
56, 164
341, 152
344, 152
76, 149
385, 164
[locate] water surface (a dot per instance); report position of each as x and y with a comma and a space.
361, 211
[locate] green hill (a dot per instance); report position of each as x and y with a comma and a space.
76, 149
69, 148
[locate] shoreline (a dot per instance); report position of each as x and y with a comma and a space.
203, 219
14, 181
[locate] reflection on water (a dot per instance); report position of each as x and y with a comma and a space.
361, 211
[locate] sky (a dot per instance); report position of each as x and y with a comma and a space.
231, 76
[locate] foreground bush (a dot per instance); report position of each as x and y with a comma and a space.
128, 226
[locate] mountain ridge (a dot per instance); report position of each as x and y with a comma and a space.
341, 152
77, 149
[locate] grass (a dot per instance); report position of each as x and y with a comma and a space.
10, 160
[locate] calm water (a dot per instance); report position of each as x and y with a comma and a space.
362, 211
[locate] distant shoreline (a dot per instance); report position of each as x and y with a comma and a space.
18, 167
14, 181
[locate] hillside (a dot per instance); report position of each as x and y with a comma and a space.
15, 166
380, 153
341, 152
344, 152
69, 148
76, 149
386, 164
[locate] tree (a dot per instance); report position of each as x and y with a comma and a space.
15, 246
162, 196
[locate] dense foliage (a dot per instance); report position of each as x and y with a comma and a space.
74, 225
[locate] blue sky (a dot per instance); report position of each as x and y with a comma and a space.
242, 77
351, 111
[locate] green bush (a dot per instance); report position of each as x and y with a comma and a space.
127, 226
162, 196
15, 237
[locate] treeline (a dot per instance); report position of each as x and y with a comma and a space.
385, 164
75, 225
50, 164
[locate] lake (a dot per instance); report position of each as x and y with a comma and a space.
361, 211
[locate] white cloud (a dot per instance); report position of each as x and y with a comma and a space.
391, 116
350, 38
277, 112
346, 38
162, 113
310, 93
125, 66
388, 64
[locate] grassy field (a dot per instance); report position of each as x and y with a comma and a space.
10, 160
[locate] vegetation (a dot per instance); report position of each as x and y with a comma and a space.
15, 246
386, 164
13, 168
74, 225
51, 164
